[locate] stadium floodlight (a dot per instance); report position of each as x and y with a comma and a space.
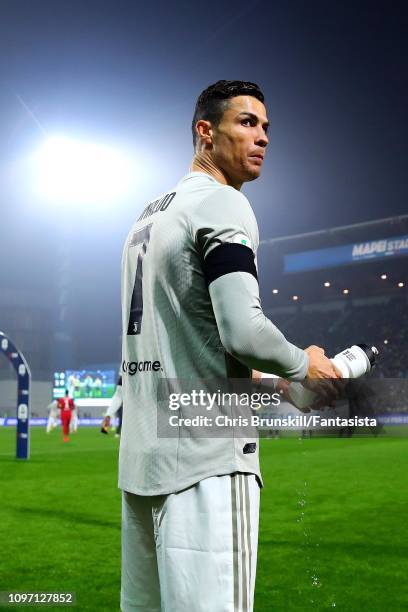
275, 290
327, 284
383, 277
75, 172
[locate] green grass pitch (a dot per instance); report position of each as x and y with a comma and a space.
333, 526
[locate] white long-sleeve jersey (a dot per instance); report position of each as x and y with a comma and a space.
191, 310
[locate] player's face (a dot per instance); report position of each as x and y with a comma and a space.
240, 140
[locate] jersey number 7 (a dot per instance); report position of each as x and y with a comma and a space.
142, 238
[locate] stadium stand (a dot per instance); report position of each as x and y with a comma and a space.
365, 298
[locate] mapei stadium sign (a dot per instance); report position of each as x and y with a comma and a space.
347, 254
390, 246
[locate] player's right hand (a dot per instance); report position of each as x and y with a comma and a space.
322, 377
319, 365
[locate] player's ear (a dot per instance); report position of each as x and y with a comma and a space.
204, 133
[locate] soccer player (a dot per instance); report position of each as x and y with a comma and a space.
66, 406
74, 423
52, 421
191, 310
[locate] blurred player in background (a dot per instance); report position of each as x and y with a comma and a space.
66, 406
73, 426
52, 421
115, 407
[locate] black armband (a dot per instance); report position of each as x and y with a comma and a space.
229, 257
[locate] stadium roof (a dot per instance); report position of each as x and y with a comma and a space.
342, 263
369, 230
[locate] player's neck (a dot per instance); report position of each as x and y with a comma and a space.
204, 163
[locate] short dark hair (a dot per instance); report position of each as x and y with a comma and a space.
212, 102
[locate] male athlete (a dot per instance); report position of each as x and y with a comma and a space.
191, 310
52, 421
66, 406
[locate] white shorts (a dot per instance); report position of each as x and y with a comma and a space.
192, 551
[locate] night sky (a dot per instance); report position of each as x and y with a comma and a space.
334, 75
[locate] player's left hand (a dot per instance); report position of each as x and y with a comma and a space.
105, 425
328, 392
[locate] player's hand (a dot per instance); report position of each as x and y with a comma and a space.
322, 378
319, 365
282, 386
105, 425
256, 377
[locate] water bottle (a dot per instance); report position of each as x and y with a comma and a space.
353, 362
